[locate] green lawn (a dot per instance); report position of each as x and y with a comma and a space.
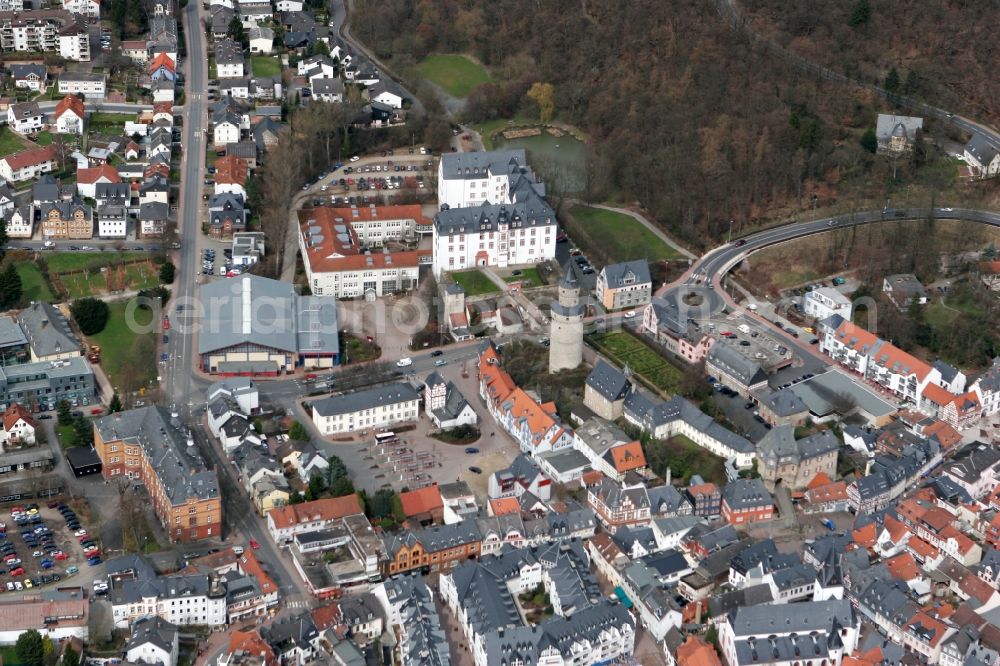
265, 66
475, 283
685, 459
33, 284
620, 236
529, 277
117, 340
60, 262
101, 120
455, 73
9, 655
10, 142
66, 436
623, 347
43, 138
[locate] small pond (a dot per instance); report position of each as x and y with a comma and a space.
560, 161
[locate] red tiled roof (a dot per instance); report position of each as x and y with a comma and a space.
231, 170
17, 413
252, 643
903, 567
330, 508
92, 175
696, 652
162, 60
421, 501
865, 536
341, 250
326, 616
937, 395
30, 157
830, 492
627, 456
503, 506
70, 103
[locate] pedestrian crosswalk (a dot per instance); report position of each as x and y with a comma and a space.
297, 604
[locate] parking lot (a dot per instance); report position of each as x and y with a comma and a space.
43, 545
750, 341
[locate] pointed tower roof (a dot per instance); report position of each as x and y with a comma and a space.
569, 278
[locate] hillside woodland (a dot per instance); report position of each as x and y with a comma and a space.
684, 114
943, 51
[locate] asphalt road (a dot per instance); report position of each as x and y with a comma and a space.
707, 274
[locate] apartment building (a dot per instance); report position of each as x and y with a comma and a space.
67, 220
746, 501
91, 86
142, 445
27, 164
286, 522
438, 548
625, 285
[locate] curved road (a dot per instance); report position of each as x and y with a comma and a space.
706, 275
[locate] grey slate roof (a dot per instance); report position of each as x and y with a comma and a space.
152, 629
46, 189
779, 446
745, 370
889, 125
666, 499
808, 616
20, 71
726, 602
478, 165
981, 148
528, 210
11, 334
609, 382
347, 403
627, 273
228, 52
426, 642
785, 403
971, 462
47, 330
746, 494
178, 466
154, 210
652, 414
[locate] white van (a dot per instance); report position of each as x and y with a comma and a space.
744, 329
404, 362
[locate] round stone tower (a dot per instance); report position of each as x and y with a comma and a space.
566, 326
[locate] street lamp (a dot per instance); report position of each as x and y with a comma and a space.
729, 238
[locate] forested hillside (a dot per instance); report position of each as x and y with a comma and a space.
683, 115
944, 51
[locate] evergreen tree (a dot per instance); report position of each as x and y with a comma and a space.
861, 14
869, 141
892, 82
116, 404
29, 648
11, 288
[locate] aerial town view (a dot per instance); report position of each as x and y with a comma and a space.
521, 333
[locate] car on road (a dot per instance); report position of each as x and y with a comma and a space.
254, 544
440, 362
476, 470
404, 362
471, 449
740, 243
436, 352
45, 417
72, 570
947, 210
630, 314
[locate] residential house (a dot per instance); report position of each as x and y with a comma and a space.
93, 87
226, 215
384, 93
904, 289
154, 641
112, 222
608, 449
70, 220
626, 285
248, 247
87, 180
423, 505
328, 90
438, 548
19, 222
522, 476
90, 9
445, 406
619, 504
30, 76
976, 469
69, 115
784, 407
605, 390
229, 60
153, 218
18, 427
982, 155
25, 118
231, 176
825, 302
662, 320
162, 68
261, 39
294, 639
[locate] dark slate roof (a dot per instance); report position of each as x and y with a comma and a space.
347, 403
746, 494
779, 446
785, 403
608, 381
627, 273
745, 370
